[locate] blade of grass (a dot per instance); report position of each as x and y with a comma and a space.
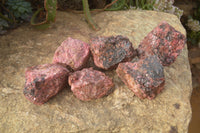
142, 4
123, 3
50, 7
88, 15
137, 4
5, 18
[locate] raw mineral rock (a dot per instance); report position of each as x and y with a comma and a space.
163, 41
119, 112
72, 52
44, 81
109, 51
145, 77
89, 84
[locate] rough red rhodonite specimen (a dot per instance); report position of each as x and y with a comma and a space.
145, 77
72, 52
44, 81
89, 84
163, 41
109, 51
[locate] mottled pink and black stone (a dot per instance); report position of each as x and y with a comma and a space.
144, 77
109, 51
163, 41
72, 52
44, 81
89, 84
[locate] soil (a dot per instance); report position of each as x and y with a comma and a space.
194, 56
77, 4
195, 102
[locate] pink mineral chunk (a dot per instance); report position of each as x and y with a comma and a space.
44, 81
163, 41
72, 52
145, 77
109, 51
89, 84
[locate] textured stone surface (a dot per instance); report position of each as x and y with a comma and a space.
144, 77
121, 111
163, 41
89, 84
109, 51
44, 81
72, 52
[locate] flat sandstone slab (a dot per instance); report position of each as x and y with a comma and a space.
121, 111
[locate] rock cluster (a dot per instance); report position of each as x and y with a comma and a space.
44, 81
144, 77
72, 52
89, 84
109, 51
163, 41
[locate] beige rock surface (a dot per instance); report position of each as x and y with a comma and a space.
121, 111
